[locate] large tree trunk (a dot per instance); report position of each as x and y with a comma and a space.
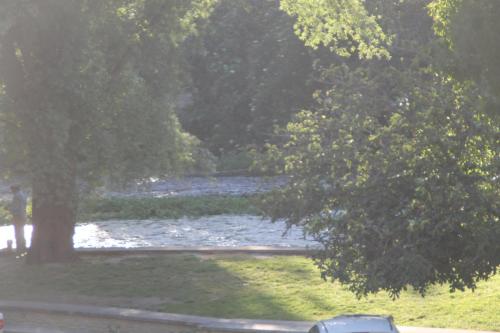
52, 239
53, 222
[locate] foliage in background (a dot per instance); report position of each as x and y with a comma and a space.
395, 171
94, 209
6, 216
235, 162
249, 73
470, 29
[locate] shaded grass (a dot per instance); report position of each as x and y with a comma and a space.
168, 207
285, 288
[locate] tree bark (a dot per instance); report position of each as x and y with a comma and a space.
52, 238
54, 214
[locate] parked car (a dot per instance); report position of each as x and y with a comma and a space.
356, 324
2, 322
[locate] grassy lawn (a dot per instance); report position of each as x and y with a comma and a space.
287, 288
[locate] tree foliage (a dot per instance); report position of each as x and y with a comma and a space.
344, 25
249, 73
470, 29
87, 90
395, 171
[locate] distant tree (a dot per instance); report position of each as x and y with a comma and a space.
395, 172
86, 90
470, 27
249, 73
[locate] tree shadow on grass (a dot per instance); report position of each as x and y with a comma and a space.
182, 284
212, 290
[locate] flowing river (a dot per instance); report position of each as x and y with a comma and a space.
219, 230
197, 186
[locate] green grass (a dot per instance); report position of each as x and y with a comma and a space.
168, 207
99, 208
287, 288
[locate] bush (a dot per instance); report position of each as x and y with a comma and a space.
170, 207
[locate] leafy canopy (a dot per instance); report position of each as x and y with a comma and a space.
88, 93
344, 25
93, 83
248, 73
394, 171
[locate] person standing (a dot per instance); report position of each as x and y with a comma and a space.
18, 211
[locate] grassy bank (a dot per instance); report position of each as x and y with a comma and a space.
99, 208
168, 207
238, 287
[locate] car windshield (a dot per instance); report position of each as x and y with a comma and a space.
314, 329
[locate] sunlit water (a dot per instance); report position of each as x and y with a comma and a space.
197, 186
220, 230
187, 186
